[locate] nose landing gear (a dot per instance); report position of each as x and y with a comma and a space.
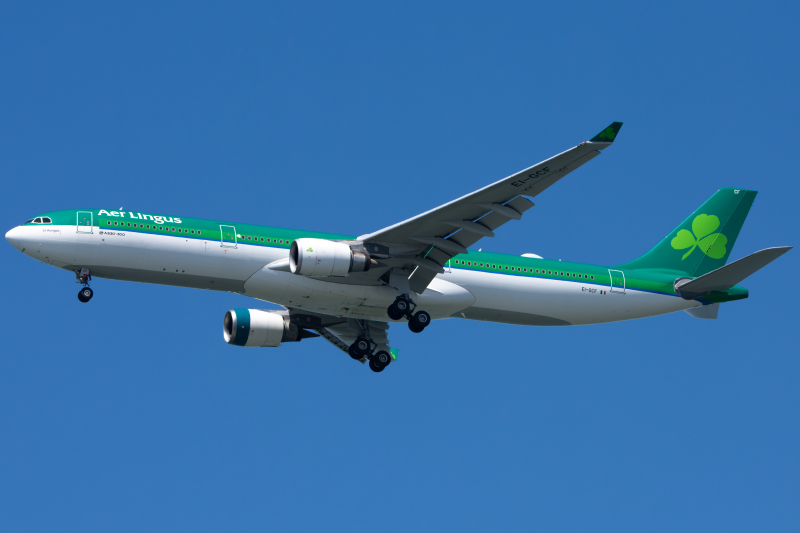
85, 294
404, 307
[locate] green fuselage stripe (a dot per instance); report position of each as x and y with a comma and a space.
649, 280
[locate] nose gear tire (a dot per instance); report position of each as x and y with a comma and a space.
85, 294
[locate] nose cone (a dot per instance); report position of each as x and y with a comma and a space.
14, 236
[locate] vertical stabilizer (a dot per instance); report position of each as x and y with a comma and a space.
703, 242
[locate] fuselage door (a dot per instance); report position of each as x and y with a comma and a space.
228, 236
84, 222
617, 281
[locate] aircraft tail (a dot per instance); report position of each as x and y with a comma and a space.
703, 242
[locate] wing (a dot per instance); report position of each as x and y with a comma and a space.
342, 332
423, 244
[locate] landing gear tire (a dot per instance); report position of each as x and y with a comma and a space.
419, 321
360, 348
399, 308
375, 367
353, 353
382, 358
393, 313
85, 294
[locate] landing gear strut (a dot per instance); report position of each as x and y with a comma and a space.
85, 294
404, 307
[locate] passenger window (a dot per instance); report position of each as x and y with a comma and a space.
592, 277
198, 232
148, 226
173, 229
129, 224
161, 228
108, 222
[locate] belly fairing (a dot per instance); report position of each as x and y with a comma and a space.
441, 299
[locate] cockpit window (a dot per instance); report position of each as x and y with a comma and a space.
46, 220
29, 221
37, 220
41, 220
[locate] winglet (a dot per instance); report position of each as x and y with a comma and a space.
607, 135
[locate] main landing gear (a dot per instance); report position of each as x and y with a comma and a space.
85, 294
404, 307
364, 347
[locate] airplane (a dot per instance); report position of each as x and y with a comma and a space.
349, 289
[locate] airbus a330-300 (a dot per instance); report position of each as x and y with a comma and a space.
348, 289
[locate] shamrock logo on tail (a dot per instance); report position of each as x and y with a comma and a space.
702, 235
607, 133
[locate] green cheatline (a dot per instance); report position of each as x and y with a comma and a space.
607, 135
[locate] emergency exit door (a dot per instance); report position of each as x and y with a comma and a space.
84, 222
617, 281
228, 234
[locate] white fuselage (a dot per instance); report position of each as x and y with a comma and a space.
205, 264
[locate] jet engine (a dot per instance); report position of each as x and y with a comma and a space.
255, 327
323, 258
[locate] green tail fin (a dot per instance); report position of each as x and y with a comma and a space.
703, 242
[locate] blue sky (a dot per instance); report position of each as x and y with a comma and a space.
130, 413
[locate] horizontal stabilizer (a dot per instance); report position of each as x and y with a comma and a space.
726, 277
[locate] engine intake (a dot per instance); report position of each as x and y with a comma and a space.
256, 327
323, 258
